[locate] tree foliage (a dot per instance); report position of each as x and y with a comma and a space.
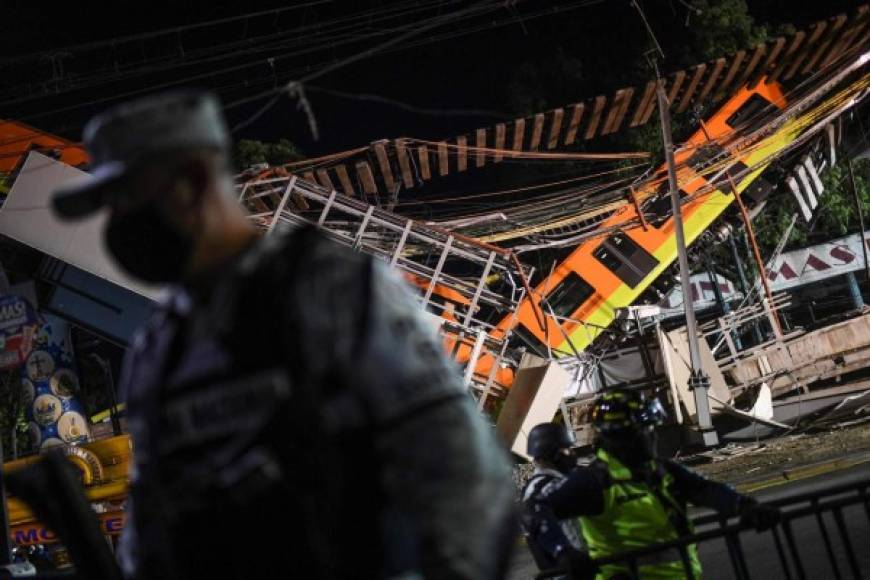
837, 214
534, 87
712, 29
721, 27
14, 435
250, 152
560, 68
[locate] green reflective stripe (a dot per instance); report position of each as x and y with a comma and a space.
634, 518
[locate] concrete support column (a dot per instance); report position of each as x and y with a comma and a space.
855, 291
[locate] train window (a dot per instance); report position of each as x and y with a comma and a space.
734, 174
535, 344
753, 105
624, 245
658, 209
658, 290
703, 156
758, 191
625, 258
608, 258
569, 295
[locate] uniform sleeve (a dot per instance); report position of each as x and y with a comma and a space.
705, 492
130, 545
580, 494
444, 471
545, 532
447, 480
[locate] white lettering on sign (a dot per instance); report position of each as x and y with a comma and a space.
13, 314
816, 263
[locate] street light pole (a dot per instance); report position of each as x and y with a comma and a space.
699, 382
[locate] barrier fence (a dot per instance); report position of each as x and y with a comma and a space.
824, 512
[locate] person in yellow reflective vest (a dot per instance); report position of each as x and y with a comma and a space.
629, 498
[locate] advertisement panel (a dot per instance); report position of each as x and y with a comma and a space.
816, 263
18, 324
51, 386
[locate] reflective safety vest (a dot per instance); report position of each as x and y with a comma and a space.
636, 516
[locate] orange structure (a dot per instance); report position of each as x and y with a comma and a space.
580, 299
17, 139
607, 273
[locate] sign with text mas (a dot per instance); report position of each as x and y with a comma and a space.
816, 263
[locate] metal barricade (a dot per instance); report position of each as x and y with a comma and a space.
815, 514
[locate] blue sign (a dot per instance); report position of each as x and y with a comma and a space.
51, 389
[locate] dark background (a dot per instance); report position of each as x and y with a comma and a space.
508, 61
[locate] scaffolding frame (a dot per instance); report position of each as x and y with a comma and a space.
421, 250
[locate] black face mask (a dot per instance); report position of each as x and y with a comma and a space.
632, 448
147, 246
565, 462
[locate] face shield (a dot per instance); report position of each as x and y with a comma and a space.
626, 426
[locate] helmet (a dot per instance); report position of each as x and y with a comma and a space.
546, 439
621, 411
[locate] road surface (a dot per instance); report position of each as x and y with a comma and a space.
760, 550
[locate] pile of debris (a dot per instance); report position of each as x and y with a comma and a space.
740, 463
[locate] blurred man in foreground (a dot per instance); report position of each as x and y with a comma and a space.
291, 413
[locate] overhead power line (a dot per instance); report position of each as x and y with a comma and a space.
285, 76
478, 7
153, 34
406, 106
309, 38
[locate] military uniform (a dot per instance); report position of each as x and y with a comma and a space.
303, 421
564, 536
622, 510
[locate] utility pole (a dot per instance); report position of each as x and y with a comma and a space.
699, 381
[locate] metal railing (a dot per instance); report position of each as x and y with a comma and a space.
841, 559
419, 249
438, 260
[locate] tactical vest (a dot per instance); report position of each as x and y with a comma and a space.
636, 516
239, 476
570, 527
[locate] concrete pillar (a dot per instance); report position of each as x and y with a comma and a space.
855, 290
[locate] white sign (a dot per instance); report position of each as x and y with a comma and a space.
703, 294
27, 216
816, 263
13, 313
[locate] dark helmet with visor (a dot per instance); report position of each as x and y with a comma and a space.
547, 439
620, 412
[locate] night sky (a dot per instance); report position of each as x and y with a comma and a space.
473, 69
